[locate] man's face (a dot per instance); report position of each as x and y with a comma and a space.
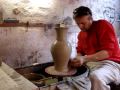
84, 22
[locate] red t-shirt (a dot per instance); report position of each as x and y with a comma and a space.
100, 36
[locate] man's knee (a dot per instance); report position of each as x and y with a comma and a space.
95, 77
97, 81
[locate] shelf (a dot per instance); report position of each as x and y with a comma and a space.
22, 25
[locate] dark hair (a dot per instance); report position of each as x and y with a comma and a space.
81, 11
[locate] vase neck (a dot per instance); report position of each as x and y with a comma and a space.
61, 34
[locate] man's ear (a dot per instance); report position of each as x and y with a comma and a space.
90, 17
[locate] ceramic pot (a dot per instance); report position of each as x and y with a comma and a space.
61, 50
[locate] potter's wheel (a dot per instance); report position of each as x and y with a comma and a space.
51, 70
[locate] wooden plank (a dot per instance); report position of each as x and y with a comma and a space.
22, 82
6, 83
22, 25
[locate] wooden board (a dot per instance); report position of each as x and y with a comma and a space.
6, 83
22, 82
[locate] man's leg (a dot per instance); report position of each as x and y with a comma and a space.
103, 74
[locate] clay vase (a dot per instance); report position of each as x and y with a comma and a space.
61, 51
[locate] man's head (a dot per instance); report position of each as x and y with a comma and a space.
83, 17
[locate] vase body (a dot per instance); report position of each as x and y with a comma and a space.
61, 50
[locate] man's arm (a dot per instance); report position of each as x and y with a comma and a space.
79, 60
103, 54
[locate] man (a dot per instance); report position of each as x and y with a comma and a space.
97, 42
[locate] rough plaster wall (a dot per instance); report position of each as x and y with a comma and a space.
21, 46
31, 13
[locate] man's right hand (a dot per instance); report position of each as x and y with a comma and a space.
77, 62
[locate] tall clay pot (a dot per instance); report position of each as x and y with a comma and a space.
61, 50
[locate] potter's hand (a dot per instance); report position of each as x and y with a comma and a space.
77, 61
